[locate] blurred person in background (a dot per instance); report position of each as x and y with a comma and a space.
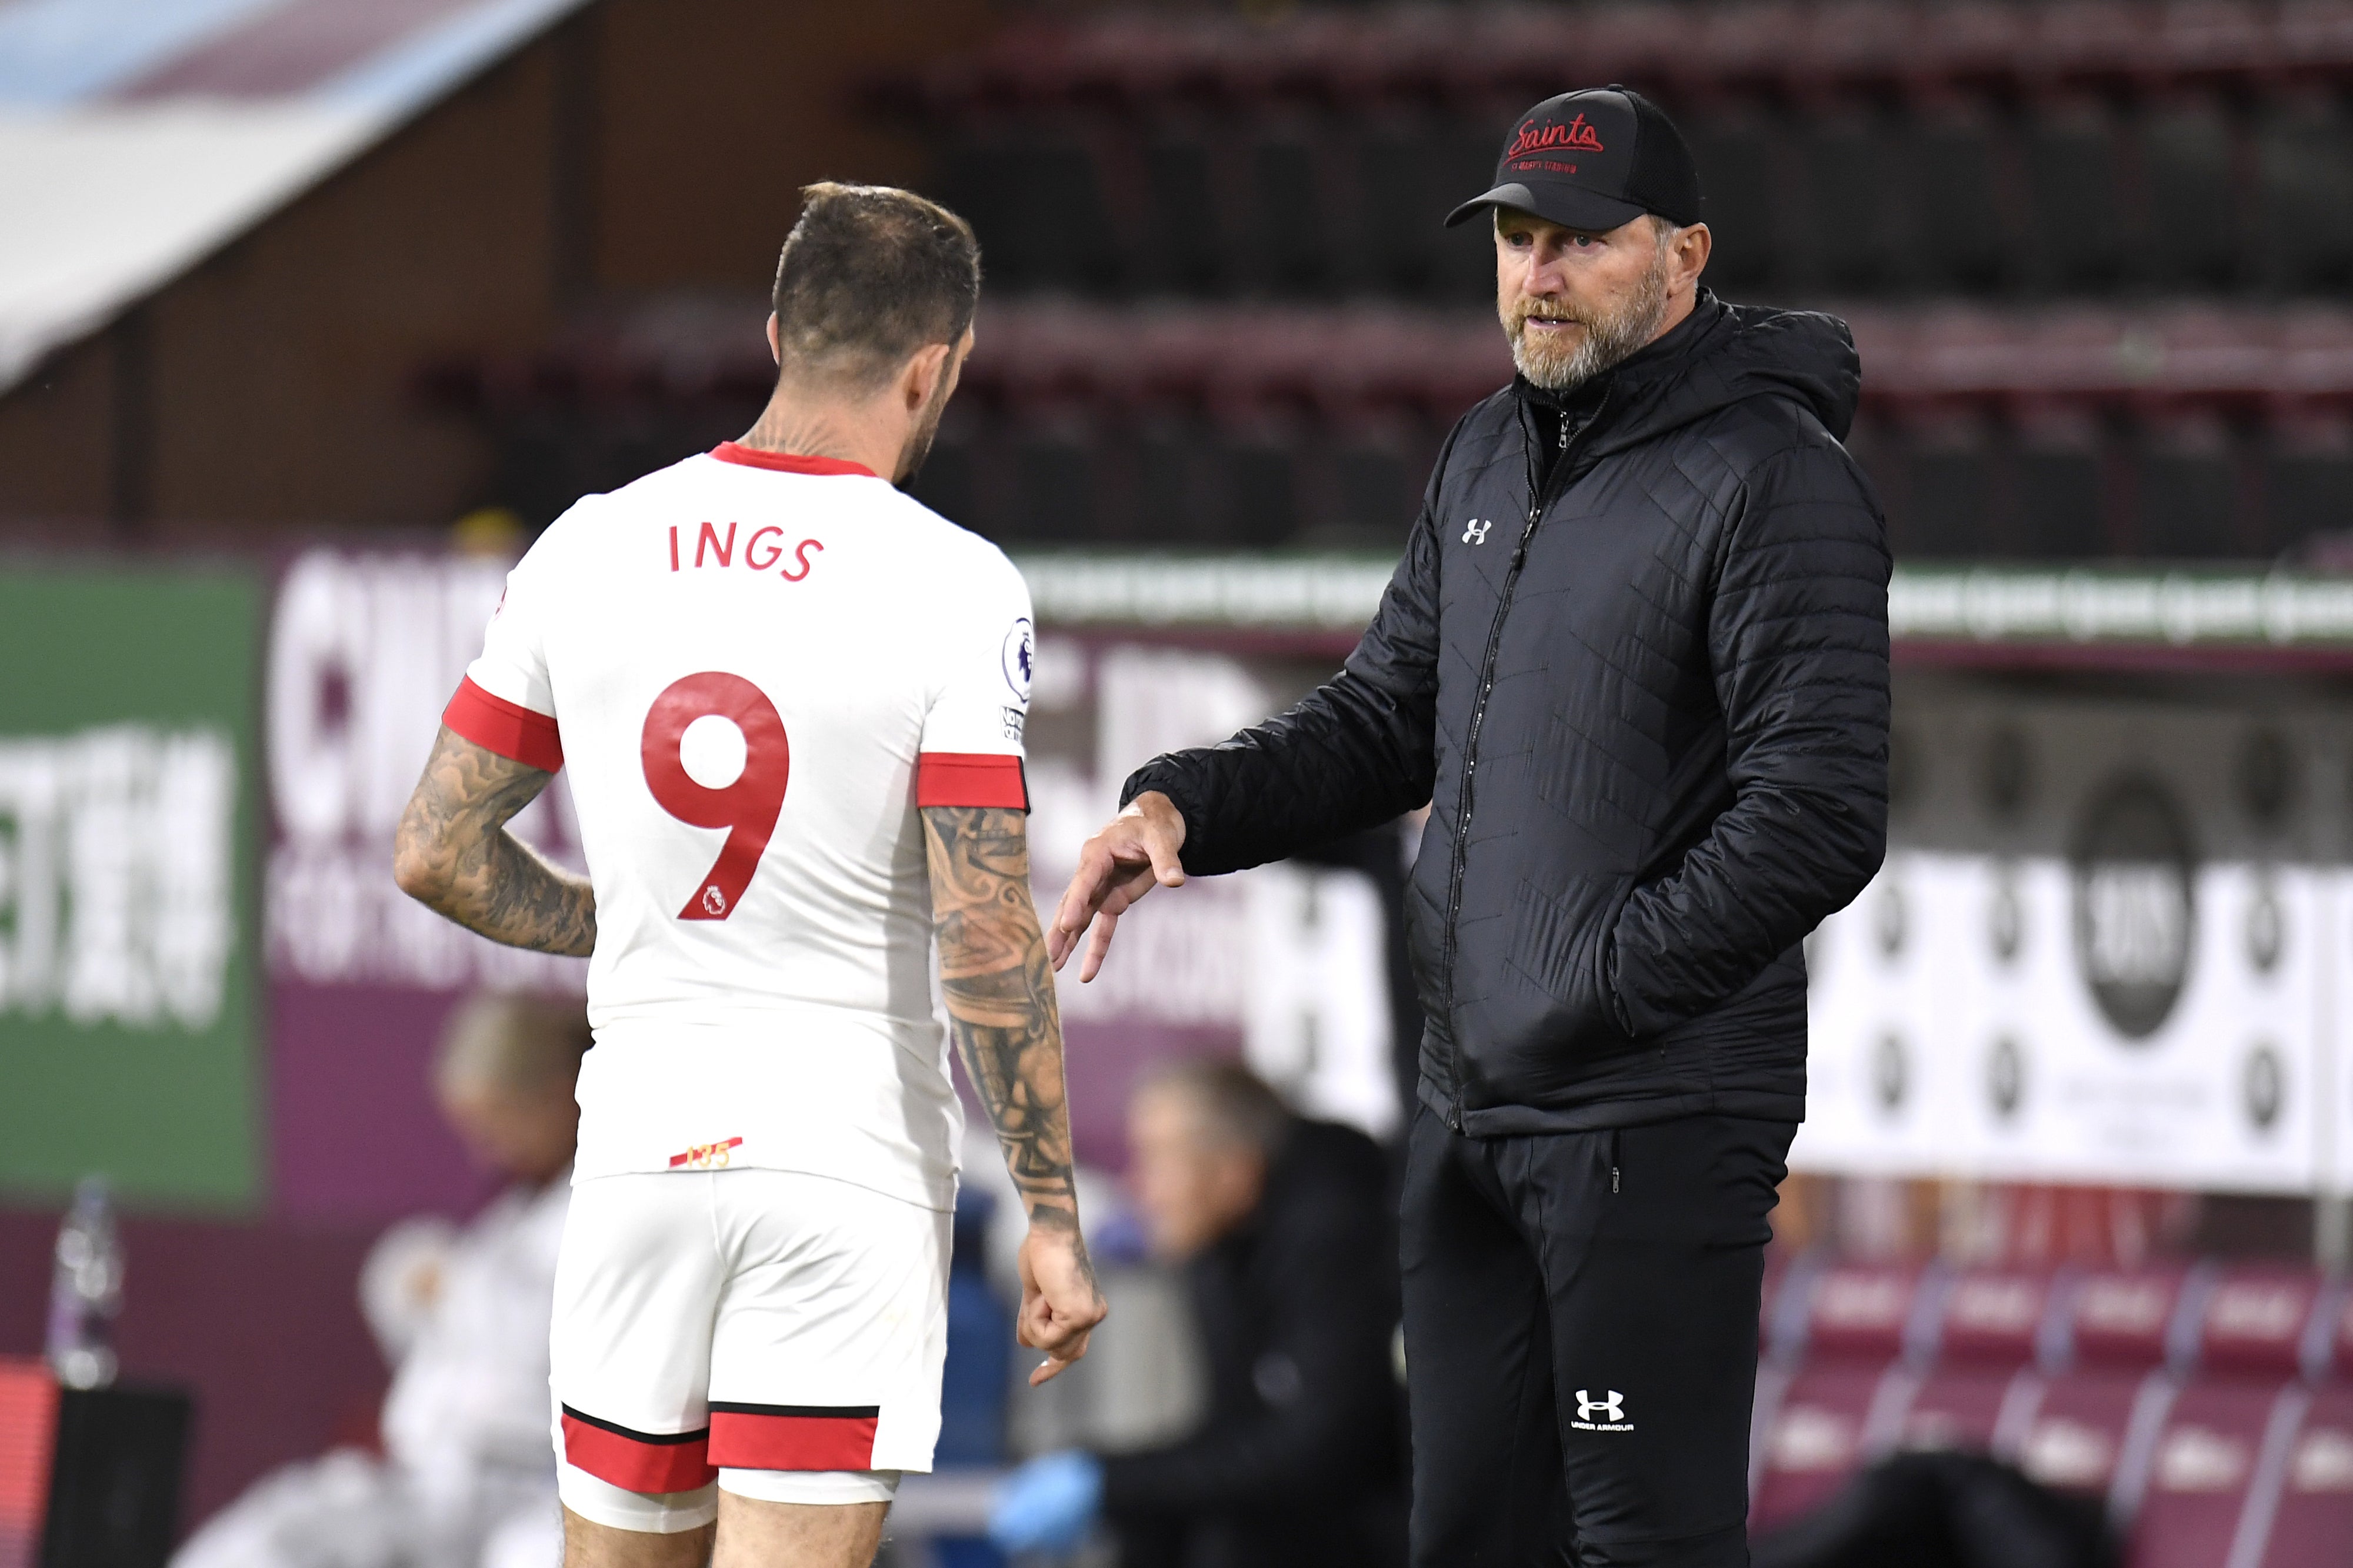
467, 1478
1636, 658
1281, 1227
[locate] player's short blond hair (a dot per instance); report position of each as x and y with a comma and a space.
869, 275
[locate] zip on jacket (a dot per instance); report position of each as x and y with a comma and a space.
1540, 494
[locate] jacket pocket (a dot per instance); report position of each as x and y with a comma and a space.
1559, 948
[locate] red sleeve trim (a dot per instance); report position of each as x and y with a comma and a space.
789, 462
638, 1461
971, 778
518, 733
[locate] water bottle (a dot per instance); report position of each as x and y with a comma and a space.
86, 1291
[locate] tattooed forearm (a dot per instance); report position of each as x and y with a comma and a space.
454, 854
1000, 996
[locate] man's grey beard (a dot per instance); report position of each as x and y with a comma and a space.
1608, 338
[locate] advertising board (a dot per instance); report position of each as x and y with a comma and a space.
364, 650
128, 793
2103, 948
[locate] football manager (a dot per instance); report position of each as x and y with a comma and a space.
1635, 660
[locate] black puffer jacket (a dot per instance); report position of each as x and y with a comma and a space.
1636, 658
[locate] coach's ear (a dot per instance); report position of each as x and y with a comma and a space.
775, 346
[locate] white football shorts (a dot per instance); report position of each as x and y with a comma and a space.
775, 1334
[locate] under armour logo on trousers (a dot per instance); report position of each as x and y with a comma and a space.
1611, 1409
1476, 533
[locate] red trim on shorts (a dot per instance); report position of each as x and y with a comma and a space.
518, 733
971, 778
789, 462
793, 1437
638, 1461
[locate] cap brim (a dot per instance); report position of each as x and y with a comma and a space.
1564, 204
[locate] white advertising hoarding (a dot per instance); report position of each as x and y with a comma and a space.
2121, 968
1944, 1056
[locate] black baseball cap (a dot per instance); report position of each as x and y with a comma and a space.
1593, 159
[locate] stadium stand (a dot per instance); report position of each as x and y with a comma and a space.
2209, 1408
2088, 251
2056, 431
1962, 181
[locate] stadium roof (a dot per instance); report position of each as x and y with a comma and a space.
138, 136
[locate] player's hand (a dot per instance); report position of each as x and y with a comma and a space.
1059, 1303
1134, 854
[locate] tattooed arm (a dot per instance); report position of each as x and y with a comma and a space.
1001, 1011
454, 853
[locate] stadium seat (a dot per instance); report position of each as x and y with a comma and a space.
1999, 1317
1854, 204
2302, 154
2187, 490
1291, 230
1868, 1312
2134, 1318
2074, 178
1852, 1324
1826, 1422
2082, 1431
1937, 474
1734, 144
2208, 1459
2086, 1429
2188, 146
1959, 232
1990, 1326
2308, 483
2311, 1516
1182, 251
2265, 1323
2062, 492
2332, 1341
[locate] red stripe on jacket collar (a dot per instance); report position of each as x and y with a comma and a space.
789, 462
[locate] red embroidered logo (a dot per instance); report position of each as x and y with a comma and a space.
706, 1156
1541, 138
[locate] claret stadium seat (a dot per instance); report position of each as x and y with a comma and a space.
1991, 1329
1855, 1325
2219, 1441
2267, 1323
2311, 1505
2087, 1428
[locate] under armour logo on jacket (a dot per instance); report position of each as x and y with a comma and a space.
1476, 532
1611, 1409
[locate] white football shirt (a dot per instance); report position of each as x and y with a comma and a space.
757, 666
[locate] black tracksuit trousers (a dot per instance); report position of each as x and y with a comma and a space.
1581, 1332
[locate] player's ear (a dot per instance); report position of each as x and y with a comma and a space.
922, 377
776, 345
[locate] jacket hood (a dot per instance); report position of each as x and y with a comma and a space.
1720, 356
